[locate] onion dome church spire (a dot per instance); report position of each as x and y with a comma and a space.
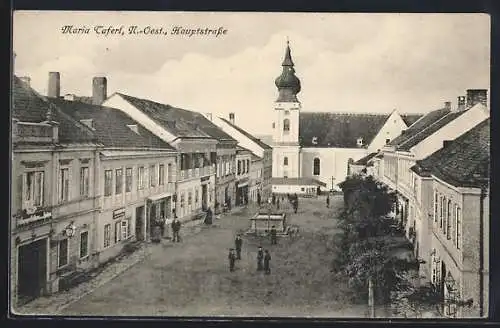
287, 83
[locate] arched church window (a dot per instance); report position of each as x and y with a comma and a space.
316, 166
285, 161
286, 125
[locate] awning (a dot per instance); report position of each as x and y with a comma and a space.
160, 196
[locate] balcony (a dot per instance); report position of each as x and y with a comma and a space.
33, 132
33, 217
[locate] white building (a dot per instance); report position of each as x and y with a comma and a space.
319, 145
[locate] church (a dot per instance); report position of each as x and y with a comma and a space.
313, 149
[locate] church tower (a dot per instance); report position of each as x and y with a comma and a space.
286, 148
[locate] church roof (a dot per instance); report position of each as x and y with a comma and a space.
287, 83
338, 130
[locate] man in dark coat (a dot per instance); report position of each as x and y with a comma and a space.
238, 242
232, 259
260, 258
274, 239
208, 217
274, 199
176, 227
258, 198
295, 205
328, 201
267, 260
278, 204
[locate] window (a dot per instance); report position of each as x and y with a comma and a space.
84, 181
190, 197
33, 188
248, 165
286, 125
84, 244
239, 167
140, 178
441, 209
107, 235
436, 208
64, 185
118, 181
196, 196
285, 161
169, 172
243, 167
448, 220
62, 253
108, 182
161, 175
182, 200
444, 224
125, 230
274, 125
118, 227
302, 189
152, 175
458, 229
316, 166
128, 179
387, 141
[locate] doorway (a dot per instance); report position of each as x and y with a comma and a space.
32, 270
204, 197
139, 221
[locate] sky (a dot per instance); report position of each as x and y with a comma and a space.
346, 62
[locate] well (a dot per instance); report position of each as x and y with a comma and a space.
262, 222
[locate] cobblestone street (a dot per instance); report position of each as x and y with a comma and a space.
192, 278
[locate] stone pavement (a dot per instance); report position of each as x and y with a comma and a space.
53, 304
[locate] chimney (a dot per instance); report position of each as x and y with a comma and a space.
54, 90
475, 96
446, 143
26, 80
231, 118
461, 103
69, 96
447, 105
403, 131
99, 90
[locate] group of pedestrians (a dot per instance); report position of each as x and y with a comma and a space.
263, 255
292, 199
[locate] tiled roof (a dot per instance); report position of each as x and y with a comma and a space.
180, 122
297, 181
419, 127
110, 125
409, 119
248, 135
29, 106
429, 130
339, 130
364, 160
464, 161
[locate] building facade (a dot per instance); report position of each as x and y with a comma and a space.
256, 178
53, 205
243, 167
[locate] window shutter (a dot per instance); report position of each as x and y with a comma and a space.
21, 181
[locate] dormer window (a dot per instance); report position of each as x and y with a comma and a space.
359, 142
133, 127
287, 112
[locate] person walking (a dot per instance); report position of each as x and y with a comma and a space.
274, 237
295, 205
328, 201
238, 242
258, 198
260, 258
176, 227
232, 258
267, 260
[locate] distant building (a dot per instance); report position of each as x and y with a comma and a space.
320, 145
243, 163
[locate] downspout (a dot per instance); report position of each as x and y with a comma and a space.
481, 251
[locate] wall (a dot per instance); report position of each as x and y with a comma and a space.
333, 163
390, 130
295, 189
292, 170
291, 112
